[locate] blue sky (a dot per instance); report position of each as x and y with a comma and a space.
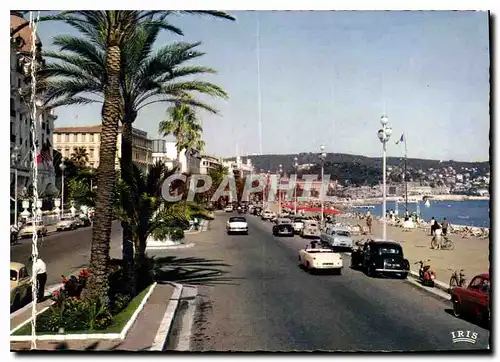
326, 77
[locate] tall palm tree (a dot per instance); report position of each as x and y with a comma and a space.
115, 28
146, 78
80, 157
183, 124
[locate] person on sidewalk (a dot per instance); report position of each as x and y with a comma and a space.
444, 226
433, 226
438, 235
40, 269
369, 222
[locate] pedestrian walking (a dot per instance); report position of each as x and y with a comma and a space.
444, 226
433, 225
40, 269
369, 221
438, 235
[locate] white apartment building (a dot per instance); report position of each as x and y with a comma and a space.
21, 139
208, 163
238, 166
189, 161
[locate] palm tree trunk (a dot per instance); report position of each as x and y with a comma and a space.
126, 175
179, 147
97, 286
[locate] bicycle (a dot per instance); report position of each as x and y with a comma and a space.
447, 243
457, 279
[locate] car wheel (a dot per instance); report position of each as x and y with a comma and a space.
404, 276
369, 271
456, 308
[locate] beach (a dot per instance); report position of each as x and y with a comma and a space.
471, 254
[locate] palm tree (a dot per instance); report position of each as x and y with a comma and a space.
217, 175
150, 213
80, 157
113, 29
145, 78
183, 124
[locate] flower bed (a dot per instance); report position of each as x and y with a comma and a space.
72, 315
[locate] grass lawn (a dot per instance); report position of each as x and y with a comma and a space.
119, 320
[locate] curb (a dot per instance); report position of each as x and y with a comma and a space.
105, 336
180, 246
439, 290
167, 320
48, 292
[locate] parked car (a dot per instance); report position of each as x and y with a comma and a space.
83, 221
267, 215
20, 285
228, 208
310, 229
380, 257
27, 229
284, 229
474, 300
67, 223
283, 220
237, 224
256, 210
338, 237
314, 258
298, 224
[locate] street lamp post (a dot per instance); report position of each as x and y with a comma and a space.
279, 190
15, 158
384, 134
322, 156
62, 166
295, 165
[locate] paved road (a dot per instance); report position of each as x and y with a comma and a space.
262, 301
63, 252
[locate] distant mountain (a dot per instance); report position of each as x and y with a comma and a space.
360, 170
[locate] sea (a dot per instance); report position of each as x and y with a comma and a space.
470, 213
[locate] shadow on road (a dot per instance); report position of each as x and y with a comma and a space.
94, 346
192, 270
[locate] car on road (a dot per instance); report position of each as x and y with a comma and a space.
20, 285
27, 229
310, 229
67, 223
283, 220
256, 210
474, 300
298, 224
314, 258
380, 257
267, 215
338, 237
237, 224
228, 208
284, 229
83, 221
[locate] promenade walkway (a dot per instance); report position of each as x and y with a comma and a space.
471, 254
140, 337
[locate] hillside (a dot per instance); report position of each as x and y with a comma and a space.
359, 170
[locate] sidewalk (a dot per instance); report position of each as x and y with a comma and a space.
470, 254
139, 338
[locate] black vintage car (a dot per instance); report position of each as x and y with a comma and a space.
257, 210
283, 230
377, 257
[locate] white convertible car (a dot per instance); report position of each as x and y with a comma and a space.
318, 258
237, 224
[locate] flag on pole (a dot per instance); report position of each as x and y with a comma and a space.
401, 139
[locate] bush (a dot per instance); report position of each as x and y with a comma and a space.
71, 313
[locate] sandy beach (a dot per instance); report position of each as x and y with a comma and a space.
470, 254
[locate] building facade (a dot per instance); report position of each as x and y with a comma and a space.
208, 163
68, 139
160, 152
189, 161
21, 137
